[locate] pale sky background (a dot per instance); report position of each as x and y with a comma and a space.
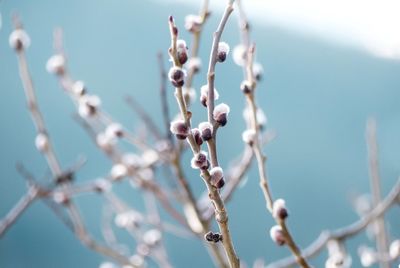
371, 25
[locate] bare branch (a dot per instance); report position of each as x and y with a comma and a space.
375, 181
346, 232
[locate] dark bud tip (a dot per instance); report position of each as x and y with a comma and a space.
180, 136
206, 134
182, 57
221, 57
222, 119
205, 166
220, 183
175, 30
245, 87
283, 214
171, 18
197, 136
213, 237
209, 236
204, 101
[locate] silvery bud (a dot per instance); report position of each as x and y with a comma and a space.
279, 210
176, 75
199, 161
217, 177
19, 39
206, 130
220, 113
222, 52
179, 128
277, 235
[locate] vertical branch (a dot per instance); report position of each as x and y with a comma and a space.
204, 13
211, 79
375, 181
33, 107
163, 94
257, 144
220, 211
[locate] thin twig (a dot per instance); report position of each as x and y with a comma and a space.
163, 95
144, 116
375, 181
211, 79
257, 144
25, 201
204, 13
346, 232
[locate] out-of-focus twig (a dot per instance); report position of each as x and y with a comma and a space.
346, 232
375, 181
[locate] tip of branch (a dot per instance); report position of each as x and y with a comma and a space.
171, 19
16, 20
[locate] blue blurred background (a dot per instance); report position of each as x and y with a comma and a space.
317, 97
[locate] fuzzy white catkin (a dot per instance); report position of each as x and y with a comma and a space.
193, 23
86, 105
194, 63
276, 234
204, 92
118, 171
258, 69
78, 88
394, 250
249, 136
338, 260
278, 205
137, 260
152, 237
221, 108
42, 142
367, 256
59, 197
217, 173
104, 142
190, 94
150, 157
103, 185
181, 44
260, 115
223, 47
239, 55
114, 130
132, 160
56, 64
204, 126
19, 37
128, 219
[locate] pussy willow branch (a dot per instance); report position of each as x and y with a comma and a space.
261, 158
234, 176
211, 79
144, 184
204, 13
67, 82
53, 162
37, 117
346, 232
221, 214
375, 182
30, 196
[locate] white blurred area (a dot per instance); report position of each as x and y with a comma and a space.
371, 25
